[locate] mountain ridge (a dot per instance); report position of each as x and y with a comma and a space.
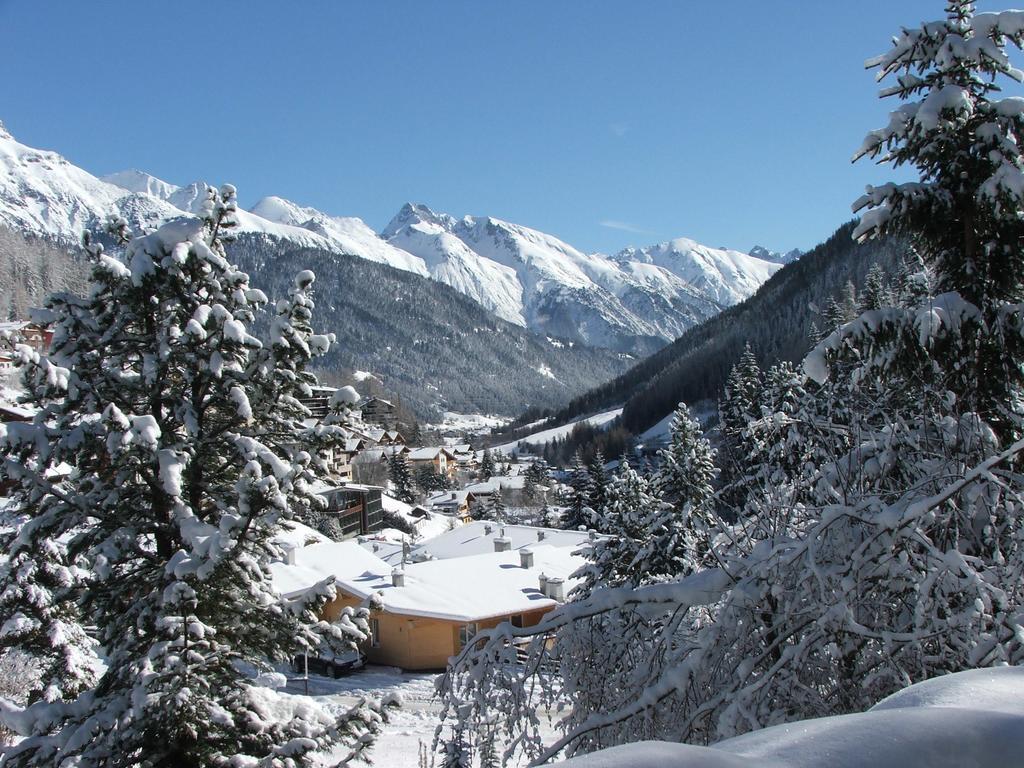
527, 277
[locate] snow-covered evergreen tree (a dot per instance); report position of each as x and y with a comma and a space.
625, 517
578, 514
963, 215
495, 506
486, 470
677, 530
687, 471
597, 491
187, 451
402, 484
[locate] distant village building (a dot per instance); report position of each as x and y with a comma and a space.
319, 402
17, 332
377, 410
439, 460
455, 504
357, 508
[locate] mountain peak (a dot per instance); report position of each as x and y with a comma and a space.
4, 133
141, 182
415, 213
777, 257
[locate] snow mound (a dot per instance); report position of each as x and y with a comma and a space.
973, 718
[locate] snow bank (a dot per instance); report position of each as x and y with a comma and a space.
973, 718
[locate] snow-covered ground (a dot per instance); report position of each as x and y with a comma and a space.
547, 435
973, 718
468, 423
410, 725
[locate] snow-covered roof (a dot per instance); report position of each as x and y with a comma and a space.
469, 589
448, 498
473, 539
377, 454
296, 534
506, 482
428, 454
313, 564
388, 550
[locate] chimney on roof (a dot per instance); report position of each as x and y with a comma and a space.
487, 529
289, 555
376, 547
502, 544
526, 557
556, 589
398, 577
592, 534
543, 580
541, 535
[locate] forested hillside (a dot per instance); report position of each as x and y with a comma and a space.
30, 268
429, 343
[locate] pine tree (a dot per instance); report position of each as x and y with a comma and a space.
876, 293
579, 514
687, 472
188, 450
739, 406
963, 215
615, 559
401, 478
598, 491
486, 471
496, 506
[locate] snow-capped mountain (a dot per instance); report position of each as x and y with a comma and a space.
634, 301
638, 297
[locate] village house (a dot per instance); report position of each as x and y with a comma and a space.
455, 504
440, 460
428, 611
377, 410
358, 509
381, 436
37, 336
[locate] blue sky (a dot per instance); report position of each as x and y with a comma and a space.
604, 123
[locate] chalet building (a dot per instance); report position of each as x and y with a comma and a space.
377, 410
440, 460
17, 332
319, 402
428, 611
452, 503
358, 508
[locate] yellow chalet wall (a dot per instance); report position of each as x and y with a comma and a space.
417, 642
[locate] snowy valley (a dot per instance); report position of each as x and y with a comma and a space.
281, 490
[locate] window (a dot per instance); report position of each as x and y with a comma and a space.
466, 633
517, 620
374, 633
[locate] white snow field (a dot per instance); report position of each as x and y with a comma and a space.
973, 718
555, 433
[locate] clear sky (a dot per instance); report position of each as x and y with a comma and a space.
604, 123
